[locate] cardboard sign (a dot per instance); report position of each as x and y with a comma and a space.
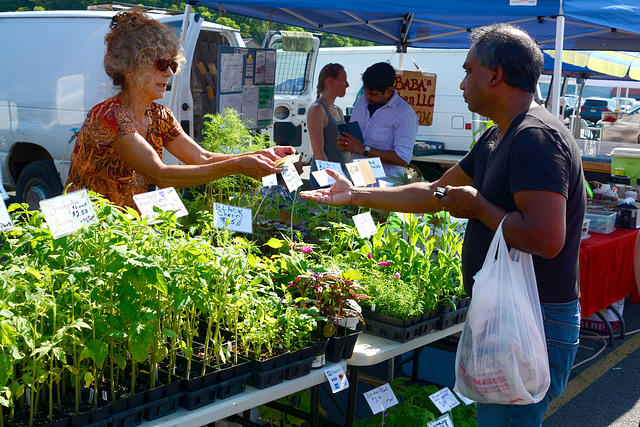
418, 88
240, 219
361, 173
68, 213
381, 398
166, 199
337, 378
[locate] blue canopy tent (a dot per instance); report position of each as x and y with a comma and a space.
555, 24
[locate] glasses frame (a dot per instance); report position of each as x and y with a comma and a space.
163, 64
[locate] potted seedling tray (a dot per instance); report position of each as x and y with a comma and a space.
400, 334
383, 318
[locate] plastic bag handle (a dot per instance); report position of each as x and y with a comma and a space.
499, 245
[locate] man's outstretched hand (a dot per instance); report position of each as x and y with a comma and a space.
340, 193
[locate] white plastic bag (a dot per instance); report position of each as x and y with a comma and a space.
502, 353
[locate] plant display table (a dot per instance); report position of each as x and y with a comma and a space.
239, 403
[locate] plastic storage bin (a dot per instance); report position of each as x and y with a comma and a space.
585, 229
629, 160
604, 222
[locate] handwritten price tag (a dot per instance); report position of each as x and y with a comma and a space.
166, 200
291, 178
376, 167
444, 400
337, 378
381, 398
365, 225
270, 180
443, 421
464, 399
5, 219
68, 213
239, 219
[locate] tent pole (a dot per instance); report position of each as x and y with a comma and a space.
557, 67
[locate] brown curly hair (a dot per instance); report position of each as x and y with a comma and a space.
137, 40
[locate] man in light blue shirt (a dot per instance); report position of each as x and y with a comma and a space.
389, 125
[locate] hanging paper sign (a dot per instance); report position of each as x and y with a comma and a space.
166, 200
376, 167
232, 218
68, 213
365, 225
270, 180
444, 400
381, 398
337, 378
443, 421
5, 219
291, 178
418, 88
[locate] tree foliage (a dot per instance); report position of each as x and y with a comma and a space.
249, 27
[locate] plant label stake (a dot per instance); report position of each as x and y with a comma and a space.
376, 167
337, 378
233, 218
291, 178
443, 421
270, 180
5, 219
365, 225
68, 213
380, 399
444, 400
166, 199
464, 399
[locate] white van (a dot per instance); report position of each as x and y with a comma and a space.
453, 124
53, 74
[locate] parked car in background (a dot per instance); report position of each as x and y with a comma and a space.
624, 129
592, 108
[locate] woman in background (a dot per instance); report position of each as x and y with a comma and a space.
324, 117
118, 152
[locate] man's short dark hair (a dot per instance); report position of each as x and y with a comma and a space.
512, 49
379, 77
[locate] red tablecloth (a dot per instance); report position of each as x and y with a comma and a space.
606, 270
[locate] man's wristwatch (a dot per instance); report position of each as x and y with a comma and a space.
366, 151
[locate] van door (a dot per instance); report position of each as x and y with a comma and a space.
294, 93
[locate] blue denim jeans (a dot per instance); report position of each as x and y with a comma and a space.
561, 328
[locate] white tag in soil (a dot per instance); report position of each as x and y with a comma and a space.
239, 219
365, 225
270, 180
443, 421
381, 398
68, 213
337, 378
166, 199
5, 219
291, 178
444, 400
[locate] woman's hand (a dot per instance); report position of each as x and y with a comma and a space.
340, 193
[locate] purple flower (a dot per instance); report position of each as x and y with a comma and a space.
397, 275
306, 249
384, 264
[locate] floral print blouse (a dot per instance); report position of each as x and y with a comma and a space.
95, 165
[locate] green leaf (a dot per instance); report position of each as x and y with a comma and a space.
140, 340
274, 243
97, 351
6, 368
7, 335
169, 333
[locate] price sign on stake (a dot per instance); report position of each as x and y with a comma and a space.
444, 400
291, 178
68, 213
381, 398
5, 219
376, 167
337, 378
239, 219
443, 421
365, 225
464, 399
166, 199
269, 180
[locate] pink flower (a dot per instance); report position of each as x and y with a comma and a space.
306, 249
384, 264
369, 256
397, 275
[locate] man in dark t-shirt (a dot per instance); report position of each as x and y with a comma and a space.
525, 170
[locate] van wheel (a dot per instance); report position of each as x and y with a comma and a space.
38, 181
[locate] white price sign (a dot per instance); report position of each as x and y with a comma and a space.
444, 400
68, 213
5, 219
166, 199
381, 398
291, 178
270, 180
240, 219
443, 421
376, 167
337, 378
365, 225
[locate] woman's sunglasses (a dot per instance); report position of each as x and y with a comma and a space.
163, 64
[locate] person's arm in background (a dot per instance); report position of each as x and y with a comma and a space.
316, 121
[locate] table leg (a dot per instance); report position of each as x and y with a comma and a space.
315, 406
353, 391
416, 364
608, 325
622, 325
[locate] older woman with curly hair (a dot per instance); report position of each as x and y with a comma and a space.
118, 152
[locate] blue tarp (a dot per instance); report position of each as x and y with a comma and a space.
590, 24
